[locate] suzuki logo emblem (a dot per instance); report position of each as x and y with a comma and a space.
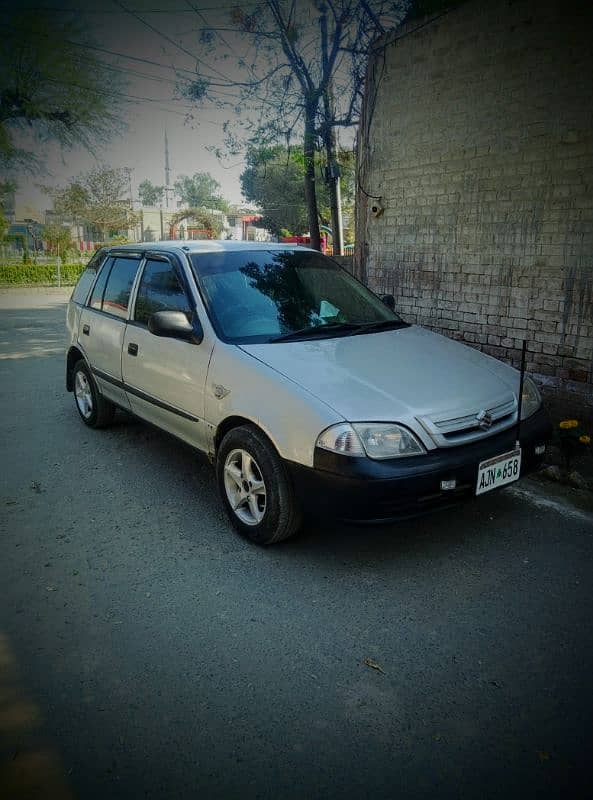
484, 420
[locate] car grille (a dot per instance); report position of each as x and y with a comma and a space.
464, 427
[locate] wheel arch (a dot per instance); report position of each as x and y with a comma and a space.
74, 355
236, 421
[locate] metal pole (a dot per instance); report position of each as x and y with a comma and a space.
521, 380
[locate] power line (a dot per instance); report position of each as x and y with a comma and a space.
169, 11
167, 38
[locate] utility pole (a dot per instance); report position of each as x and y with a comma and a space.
167, 172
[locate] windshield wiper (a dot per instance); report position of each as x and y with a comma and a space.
348, 328
383, 325
317, 331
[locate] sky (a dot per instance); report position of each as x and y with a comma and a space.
141, 148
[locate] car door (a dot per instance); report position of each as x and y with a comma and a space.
103, 323
164, 377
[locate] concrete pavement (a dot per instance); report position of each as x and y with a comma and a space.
146, 651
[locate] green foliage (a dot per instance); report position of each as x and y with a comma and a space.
202, 219
7, 190
51, 87
40, 274
274, 180
150, 195
98, 197
4, 225
59, 240
200, 190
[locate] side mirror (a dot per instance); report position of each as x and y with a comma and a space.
389, 301
175, 325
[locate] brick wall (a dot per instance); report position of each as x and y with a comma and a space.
478, 135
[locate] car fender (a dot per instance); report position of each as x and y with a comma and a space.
240, 385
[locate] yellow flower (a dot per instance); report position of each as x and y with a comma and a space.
566, 424
584, 439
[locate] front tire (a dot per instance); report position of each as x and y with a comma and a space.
254, 487
95, 411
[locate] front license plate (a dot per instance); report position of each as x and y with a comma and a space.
498, 471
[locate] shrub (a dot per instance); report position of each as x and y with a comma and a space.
41, 274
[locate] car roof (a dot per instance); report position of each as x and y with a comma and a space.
206, 246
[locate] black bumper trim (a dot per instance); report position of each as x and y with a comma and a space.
379, 491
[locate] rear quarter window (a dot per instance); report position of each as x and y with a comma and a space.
82, 288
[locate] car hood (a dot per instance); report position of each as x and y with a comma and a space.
393, 375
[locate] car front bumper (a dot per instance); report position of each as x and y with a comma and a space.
360, 489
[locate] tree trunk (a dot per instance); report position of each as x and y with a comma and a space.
333, 175
310, 195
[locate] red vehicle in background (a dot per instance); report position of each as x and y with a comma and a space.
326, 248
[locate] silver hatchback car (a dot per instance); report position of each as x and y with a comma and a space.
306, 390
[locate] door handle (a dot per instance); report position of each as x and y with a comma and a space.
133, 349
86, 329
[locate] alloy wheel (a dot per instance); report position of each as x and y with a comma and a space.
83, 394
245, 487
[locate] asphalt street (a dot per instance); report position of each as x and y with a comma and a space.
147, 651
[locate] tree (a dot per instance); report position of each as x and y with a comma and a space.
7, 189
274, 180
301, 66
150, 195
200, 190
205, 221
59, 239
99, 198
4, 225
51, 86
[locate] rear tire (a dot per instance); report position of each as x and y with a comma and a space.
95, 411
254, 487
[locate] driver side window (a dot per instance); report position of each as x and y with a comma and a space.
160, 290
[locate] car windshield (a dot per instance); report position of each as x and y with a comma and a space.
267, 296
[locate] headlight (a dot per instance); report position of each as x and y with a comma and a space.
375, 439
531, 398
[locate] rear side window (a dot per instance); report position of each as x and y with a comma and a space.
99, 288
81, 290
115, 297
160, 290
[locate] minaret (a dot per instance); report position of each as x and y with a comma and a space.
167, 172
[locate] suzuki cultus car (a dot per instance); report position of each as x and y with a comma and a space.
306, 390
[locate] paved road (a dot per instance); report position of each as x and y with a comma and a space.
146, 651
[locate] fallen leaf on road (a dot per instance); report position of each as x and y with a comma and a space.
373, 665
543, 755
